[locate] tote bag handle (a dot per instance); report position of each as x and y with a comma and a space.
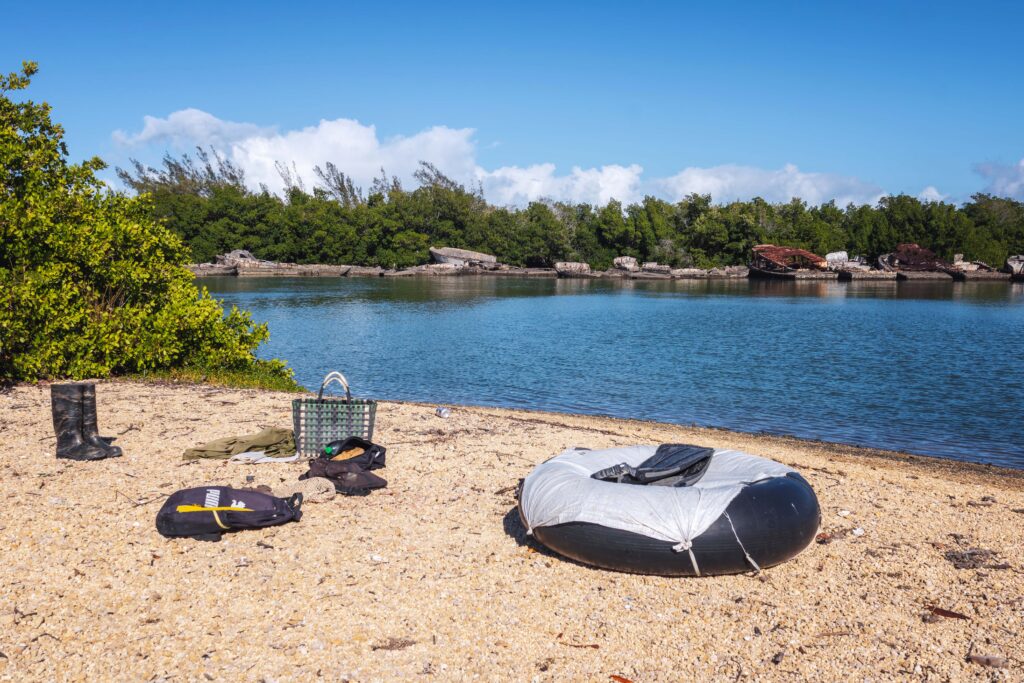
334, 377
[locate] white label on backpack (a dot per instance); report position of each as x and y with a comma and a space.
237, 504
212, 498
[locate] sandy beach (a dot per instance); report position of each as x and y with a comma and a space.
434, 578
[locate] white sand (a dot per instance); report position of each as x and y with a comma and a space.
432, 578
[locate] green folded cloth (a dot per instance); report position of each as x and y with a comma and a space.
274, 443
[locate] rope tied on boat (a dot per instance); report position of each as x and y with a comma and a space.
688, 547
687, 542
737, 536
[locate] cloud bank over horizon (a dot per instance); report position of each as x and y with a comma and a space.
358, 150
1004, 180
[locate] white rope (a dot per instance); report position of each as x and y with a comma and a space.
745, 553
688, 547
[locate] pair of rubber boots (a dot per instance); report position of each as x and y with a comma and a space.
74, 421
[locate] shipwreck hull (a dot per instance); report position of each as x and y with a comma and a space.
764, 274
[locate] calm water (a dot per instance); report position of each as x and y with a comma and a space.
928, 368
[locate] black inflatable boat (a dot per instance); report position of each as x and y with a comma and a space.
744, 513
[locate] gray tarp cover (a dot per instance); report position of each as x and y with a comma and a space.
561, 490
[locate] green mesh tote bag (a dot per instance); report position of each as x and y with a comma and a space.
321, 420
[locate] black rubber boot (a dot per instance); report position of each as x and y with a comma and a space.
66, 404
90, 432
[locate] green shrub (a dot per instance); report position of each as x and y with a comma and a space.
90, 284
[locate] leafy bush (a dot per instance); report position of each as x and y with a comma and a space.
90, 284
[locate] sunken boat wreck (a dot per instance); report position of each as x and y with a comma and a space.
913, 262
907, 262
1015, 268
968, 271
788, 263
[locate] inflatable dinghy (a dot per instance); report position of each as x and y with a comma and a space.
744, 513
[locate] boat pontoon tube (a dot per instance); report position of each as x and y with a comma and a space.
746, 513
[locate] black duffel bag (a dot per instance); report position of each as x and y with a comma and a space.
349, 478
356, 450
347, 464
207, 512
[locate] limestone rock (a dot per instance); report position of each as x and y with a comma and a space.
460, 257
440, 269
626, 263
572, 269
233, 258
837, 257
689, 273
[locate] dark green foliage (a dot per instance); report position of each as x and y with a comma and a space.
205, 202
90, 284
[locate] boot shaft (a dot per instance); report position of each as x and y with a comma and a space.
67, 404
89, 426
90, 430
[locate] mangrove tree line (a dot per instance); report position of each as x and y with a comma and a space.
204, 199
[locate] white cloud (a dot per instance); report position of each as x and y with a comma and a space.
729, 181
1004, 180
931, 194
351, 146
519, 185
359, 151
189, 127
356, 150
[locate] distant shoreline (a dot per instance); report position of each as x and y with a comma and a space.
432, 270
770, 263
329, 271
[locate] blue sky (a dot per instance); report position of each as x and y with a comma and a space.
569, 100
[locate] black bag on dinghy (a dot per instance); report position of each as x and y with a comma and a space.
673, 464
207, 512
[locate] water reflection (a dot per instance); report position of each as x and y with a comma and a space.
431, 289
926, 367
